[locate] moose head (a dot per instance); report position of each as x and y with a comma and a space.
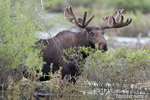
95, 33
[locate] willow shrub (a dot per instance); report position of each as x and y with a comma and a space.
114, 69
18, 50
117, 69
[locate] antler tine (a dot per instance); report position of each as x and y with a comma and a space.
116, 20
128, 21
68, 12
89, 20
110, 20
121, 19
119, 16
70, 16
75, 20
84, 18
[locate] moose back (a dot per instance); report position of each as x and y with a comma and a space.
88, 37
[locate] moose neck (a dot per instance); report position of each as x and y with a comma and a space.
82, 38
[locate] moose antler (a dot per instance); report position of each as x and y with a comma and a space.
82, 23
116, 20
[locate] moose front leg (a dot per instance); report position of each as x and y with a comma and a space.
45, 70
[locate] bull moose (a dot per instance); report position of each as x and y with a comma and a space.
88, 37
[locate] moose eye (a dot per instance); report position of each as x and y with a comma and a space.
91, 33
103, 32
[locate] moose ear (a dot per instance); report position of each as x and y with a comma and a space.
88, 29
102, 27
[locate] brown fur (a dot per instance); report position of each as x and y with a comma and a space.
67, 39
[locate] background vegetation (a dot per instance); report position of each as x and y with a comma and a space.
127, 4
135, 9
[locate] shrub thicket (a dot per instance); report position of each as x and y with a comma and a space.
119, 69
115, 69
18, 50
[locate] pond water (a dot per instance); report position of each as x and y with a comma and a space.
47, 96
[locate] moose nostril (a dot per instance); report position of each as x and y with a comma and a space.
103, 47
100, 46
106, 48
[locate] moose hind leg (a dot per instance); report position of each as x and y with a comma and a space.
70, 72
